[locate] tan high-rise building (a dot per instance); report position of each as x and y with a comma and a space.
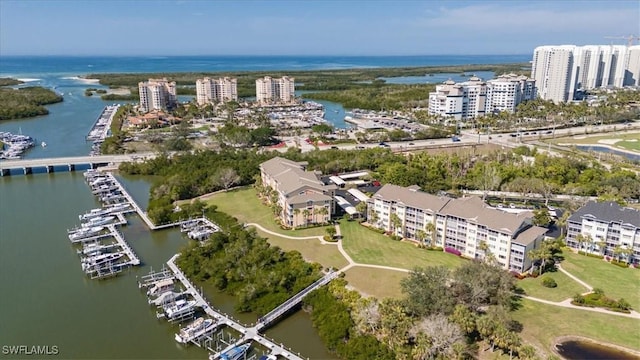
157, 94
216, 90
459, 100
505, 92
271, 91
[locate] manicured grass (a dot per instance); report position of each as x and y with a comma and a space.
369, 247
543, 323
616, 282
593, 139
312, 250
379, 283
246, 207
566, 288
630, 145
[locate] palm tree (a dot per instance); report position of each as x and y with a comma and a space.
305, 214
430, 228
373, 217
601, 244
581, 239
296, 212
562, 221
420, 236
323, 211
396, 222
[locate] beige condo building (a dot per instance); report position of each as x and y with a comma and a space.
275, 91
216, 90
157, 94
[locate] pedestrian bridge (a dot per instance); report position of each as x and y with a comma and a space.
48, 165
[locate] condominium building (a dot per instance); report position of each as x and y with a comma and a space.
505, 92
157, 94
459, 100
463, 224
560, 71
301, 196
605, 227
216, 90
271, 91
475, 98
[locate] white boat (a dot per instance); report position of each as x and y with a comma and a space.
43, 144
194, 330
100, 220
94, 213
97, 261
85, 232
179, 308
119, 207
160, 286
236, 352
165, 298
95, 248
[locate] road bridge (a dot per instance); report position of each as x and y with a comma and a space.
27, 166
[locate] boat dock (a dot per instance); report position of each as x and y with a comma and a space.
101, 128
248, 333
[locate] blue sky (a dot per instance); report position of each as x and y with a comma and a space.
329, 27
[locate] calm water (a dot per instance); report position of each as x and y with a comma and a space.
633, 157
47, 299
580, 350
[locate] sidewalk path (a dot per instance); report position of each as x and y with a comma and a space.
565, 303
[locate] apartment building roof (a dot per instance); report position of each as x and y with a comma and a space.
412, 197
291, 176
314, 197
608, 211
529, 235
473, 209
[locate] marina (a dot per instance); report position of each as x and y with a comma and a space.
101, 128
16, 145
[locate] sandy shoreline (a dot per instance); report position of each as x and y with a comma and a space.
82, 80
557, 341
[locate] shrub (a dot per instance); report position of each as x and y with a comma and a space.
549, 282
435, 248
620, 263
578, 299
597, 256
453, 251
396, 237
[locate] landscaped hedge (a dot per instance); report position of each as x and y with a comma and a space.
453, 251
549, 282
620, 263
597, 256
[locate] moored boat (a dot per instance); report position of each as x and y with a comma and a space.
236, 352
195, 330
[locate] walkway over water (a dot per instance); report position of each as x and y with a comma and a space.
248, 333
293, 301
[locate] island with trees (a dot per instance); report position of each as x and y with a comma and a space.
26, 102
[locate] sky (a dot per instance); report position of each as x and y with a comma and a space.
314, 27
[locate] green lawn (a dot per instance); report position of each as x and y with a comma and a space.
566, 287
312, 250
246, 207
543, 323
379, 283
616, 282
369, 247
630, 145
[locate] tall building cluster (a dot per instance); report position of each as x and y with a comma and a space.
271, 90
216, 90
475, 98
157, 94
562, 71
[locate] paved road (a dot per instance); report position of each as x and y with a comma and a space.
17, 164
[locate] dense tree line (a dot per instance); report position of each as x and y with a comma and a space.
10, 82
26, 102
242, 264
337, 79
378, 96
189, 175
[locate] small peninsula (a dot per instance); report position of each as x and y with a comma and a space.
26, 102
